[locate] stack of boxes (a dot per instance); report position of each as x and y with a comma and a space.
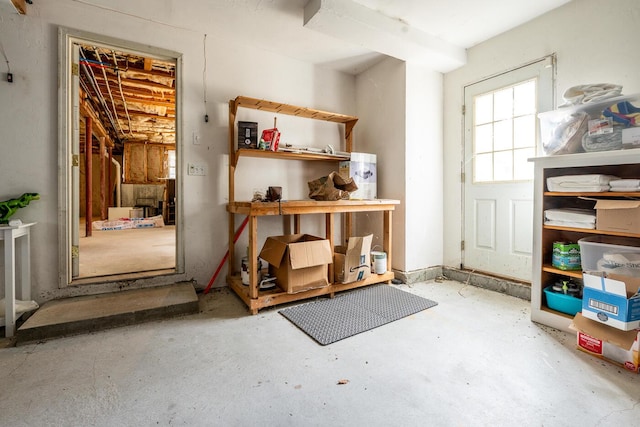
609, 325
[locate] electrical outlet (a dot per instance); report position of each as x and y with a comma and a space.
196, 169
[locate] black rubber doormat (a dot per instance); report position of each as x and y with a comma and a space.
351, 313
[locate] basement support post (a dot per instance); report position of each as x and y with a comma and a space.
88, 153
109, 177
103, 179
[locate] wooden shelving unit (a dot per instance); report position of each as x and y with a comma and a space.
254, 298
623, 164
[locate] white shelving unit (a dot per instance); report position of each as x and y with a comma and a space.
621, 163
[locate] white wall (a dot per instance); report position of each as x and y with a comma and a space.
400, 110
381, 106
29, 118
589, 38
424, 214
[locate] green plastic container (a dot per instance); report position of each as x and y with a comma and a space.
566, 256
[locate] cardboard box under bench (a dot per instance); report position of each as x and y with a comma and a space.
353, 262
298, 261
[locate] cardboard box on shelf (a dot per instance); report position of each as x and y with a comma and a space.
618, 215
613, 345
611, 299
353, 262
363, 169
298, 261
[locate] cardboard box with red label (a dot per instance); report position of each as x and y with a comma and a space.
610, 344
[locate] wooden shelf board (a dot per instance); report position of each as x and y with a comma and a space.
293, 207
590, 231
591, 194
557, 313
549, 269
277, 296
288, 155
292, 110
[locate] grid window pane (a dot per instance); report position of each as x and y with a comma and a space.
503, 135
483, 109
524, 131
483, 170
484, 138
503, 104
503, 166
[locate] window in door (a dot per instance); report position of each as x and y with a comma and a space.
504, 133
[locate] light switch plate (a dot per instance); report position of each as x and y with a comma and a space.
196, 169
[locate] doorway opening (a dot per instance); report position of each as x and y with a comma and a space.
119, 155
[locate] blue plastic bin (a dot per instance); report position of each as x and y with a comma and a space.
564, 303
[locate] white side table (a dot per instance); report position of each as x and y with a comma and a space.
10, 236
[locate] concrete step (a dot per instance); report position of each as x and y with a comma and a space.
85, 314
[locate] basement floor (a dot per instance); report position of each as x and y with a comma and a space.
475, 359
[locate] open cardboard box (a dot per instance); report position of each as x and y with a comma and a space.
612, 299
298, 261
618, 215
353, 262
613, 345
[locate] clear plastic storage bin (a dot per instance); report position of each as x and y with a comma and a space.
598, 253
562, 131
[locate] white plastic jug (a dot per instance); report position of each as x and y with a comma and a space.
379, 262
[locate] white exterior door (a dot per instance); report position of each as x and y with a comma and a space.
500, 135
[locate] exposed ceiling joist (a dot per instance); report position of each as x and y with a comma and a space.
86, 110
131, 92
136, 95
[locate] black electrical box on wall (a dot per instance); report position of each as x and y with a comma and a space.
247, 134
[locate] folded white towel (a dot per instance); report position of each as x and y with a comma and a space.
574, 215
624, 183
583, 188
571, 224
589, 182
625, 189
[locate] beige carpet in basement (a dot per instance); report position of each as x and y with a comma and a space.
127, 251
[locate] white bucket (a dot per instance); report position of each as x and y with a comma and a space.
244, 271
379, 260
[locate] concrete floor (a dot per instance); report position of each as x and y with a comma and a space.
113, 252
475, 359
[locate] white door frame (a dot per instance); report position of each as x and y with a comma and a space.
67, 130
551, 62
